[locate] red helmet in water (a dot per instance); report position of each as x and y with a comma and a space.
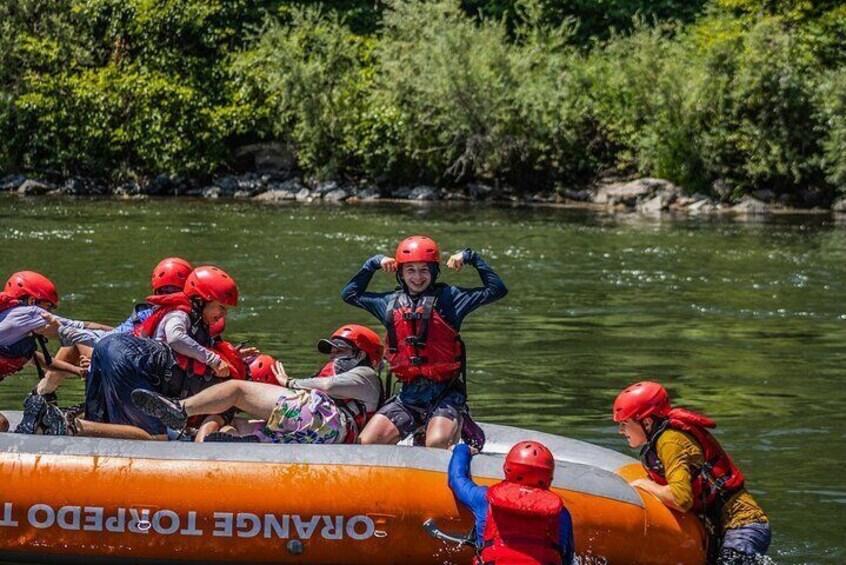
529, 463
261, 369
172, 271
30, 283
640, 400
418, 248
210, 283
361, 337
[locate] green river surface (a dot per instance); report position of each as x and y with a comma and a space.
744, 320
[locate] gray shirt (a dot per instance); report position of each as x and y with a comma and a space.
359, 383
174, 331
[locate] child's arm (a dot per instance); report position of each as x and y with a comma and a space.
565, 538
355, 293
465, 300
460, 481
177, 338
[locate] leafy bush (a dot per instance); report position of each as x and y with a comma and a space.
310, 76
528, 92
832, 120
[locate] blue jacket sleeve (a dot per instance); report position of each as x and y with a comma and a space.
465, 300
355, 293
565, 536
468, 493
137, 317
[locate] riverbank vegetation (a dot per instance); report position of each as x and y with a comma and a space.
718, 95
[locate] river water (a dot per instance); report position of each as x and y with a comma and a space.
745, 321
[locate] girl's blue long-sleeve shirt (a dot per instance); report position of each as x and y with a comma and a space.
454, 303
475, 498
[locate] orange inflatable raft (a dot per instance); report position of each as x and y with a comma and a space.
86, 500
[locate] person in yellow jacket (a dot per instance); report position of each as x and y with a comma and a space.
688, 470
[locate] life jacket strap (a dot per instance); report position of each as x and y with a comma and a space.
415, 341
426, 308
391, 336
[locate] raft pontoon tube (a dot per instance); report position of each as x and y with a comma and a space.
86, 500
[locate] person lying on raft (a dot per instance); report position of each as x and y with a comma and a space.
328, 408
424, 348
75, 423
180, 361
688, 469
26, 301
517, 520
168, 277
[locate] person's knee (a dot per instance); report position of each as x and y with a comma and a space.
380, 430
440, 440
441, 433
4, 423
69, 353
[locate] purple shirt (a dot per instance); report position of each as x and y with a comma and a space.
19, 321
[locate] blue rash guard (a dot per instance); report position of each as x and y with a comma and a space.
474, 497
453, 303
138, 316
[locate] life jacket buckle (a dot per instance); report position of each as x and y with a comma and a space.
416, 361
415, 341
411, 315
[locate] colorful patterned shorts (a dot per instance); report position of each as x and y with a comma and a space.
303, 416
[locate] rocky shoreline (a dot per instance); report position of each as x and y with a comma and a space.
646, 196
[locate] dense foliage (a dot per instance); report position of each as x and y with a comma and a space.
530, 93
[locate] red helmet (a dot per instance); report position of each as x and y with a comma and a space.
529, 463
261, 369
640, 400
172, 271
30, 283
211, 283
362, 337
418, 248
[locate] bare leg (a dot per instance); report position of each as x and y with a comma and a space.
241, 426
87, 428
52, 379
210, 425
4, 423
442, 432
379, 430
258, 399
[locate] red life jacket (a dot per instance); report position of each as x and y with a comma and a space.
11, 364
232, 357
165, 304
355, 411
522, 526
420, 342
716, 480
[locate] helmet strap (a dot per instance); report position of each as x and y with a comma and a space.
197, 305
656, 426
